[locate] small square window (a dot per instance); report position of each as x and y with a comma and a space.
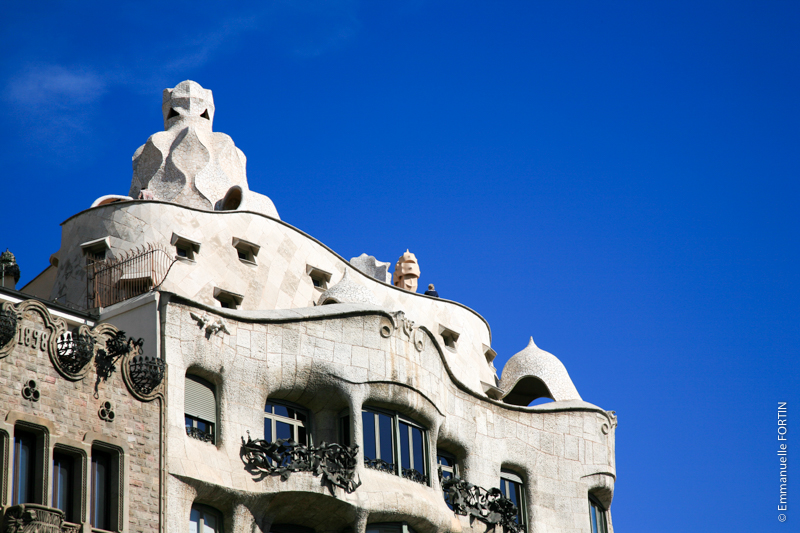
96, 250
319, 277
227, 299
247, 251
449, 337
185, 248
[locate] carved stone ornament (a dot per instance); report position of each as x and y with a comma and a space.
33, 518
30, 391
106, 412
411, 330
35, 329
606, 427
489, 506
212, 327
334, 462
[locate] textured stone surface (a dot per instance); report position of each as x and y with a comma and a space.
347, 291
372, 267
533, 362
188, 163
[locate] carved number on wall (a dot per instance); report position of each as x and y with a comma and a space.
34, 338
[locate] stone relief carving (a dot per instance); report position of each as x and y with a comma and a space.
218, 325
410, 329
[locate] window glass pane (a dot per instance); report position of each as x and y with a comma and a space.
594, 519
387, 437
301, 435
368, 422
444, 461
405, 457
344, 431
24, 467
300, 416
268, 408
210, 522
194, 521
100, 489
62, 478
419, 455
283, 430
281, 410
268, 429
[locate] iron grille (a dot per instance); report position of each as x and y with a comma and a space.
136, 272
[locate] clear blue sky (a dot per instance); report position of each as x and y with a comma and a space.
617, 180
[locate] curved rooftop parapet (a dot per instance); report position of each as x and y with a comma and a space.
534, 373
347, 292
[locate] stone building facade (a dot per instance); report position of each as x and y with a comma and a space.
264, 383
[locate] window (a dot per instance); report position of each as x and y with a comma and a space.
28, 477
104, 512
282, 421
597, 515
200, 408
96, 250
387, 433
511, 487
319, 277
247, 251
205, 519
185, 248
227, 299
449, 337
389, 527
67, 474
448, 469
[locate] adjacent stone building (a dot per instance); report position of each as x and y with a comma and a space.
190, 362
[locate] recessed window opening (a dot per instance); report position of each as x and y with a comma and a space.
185, 248
319, 277
232, 200
227, 299
204, 114
387, 436
104, 511
597, 515
449, 337
96, 250
67, 483
172, 113
205, 519
511, 486
28, 452
247, 251
289, 528
448, 469
285, 421
200, 408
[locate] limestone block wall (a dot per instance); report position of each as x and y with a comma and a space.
278, 280
66, 414
333, 360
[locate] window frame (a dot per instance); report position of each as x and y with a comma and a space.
190, 421
228, 299
295, 423
36, 469
454, 471
598, 515
249, 249
509, 478
76, 498
113, 486
207, 509
397, 460
189, 247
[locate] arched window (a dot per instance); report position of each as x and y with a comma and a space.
513, 488
389, 437
205, 519
597, 515
200, 408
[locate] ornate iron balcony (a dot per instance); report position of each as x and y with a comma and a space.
147, 373
334, 462
415, 475
199, 434
489, 506
34, 518
8, 326
75, 351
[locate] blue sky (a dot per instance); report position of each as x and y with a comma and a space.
617, 180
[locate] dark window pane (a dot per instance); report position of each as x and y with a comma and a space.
344, 431
419, 455
301, 435
101, 503
387, 437
300, 416
368, 422
188, 421
282, 410
268, 430
62, 479
268, 408
444, 461
405, 457
283, 430
24, 467
194, 521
